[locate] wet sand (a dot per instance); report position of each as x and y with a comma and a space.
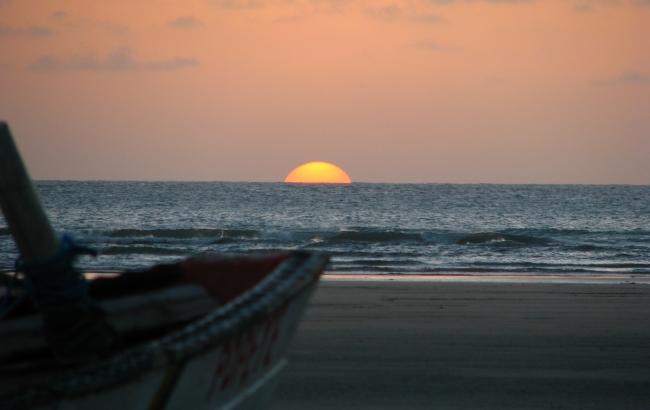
450, 344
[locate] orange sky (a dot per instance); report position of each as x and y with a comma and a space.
505, 91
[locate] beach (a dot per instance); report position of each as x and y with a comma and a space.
463, 342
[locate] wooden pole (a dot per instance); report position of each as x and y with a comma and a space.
21, 207
74, 327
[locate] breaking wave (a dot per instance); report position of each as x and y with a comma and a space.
374, 236
184, 233
141, 250
501, 238
577, 240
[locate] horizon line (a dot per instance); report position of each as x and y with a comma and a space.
351, 183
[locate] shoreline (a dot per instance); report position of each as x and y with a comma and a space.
493, 277
472, 277
464, 277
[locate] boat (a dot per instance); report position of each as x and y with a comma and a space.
208, 332
227, 358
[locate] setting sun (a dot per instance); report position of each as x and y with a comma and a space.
318, 172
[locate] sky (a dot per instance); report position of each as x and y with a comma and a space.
450, 91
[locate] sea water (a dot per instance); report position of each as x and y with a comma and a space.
382, 228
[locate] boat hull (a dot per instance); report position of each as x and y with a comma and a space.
228, 359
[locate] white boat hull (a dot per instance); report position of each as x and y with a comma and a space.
230, 359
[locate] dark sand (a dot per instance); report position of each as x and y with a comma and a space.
449, 345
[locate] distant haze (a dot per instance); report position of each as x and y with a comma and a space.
501, 91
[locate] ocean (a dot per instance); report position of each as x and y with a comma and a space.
378, 228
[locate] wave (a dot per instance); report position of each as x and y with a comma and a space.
184, 233
376, 262
232, 235
562, 264
579, 240
496, 268
587, 248
374, 236
141, 250
500, 238
376, 249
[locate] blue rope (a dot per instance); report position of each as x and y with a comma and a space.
52, 282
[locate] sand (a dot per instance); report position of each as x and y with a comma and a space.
463, 344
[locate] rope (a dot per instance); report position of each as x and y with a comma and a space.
56, 280
74, 324
49, 282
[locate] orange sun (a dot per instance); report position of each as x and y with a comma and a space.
318, 172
